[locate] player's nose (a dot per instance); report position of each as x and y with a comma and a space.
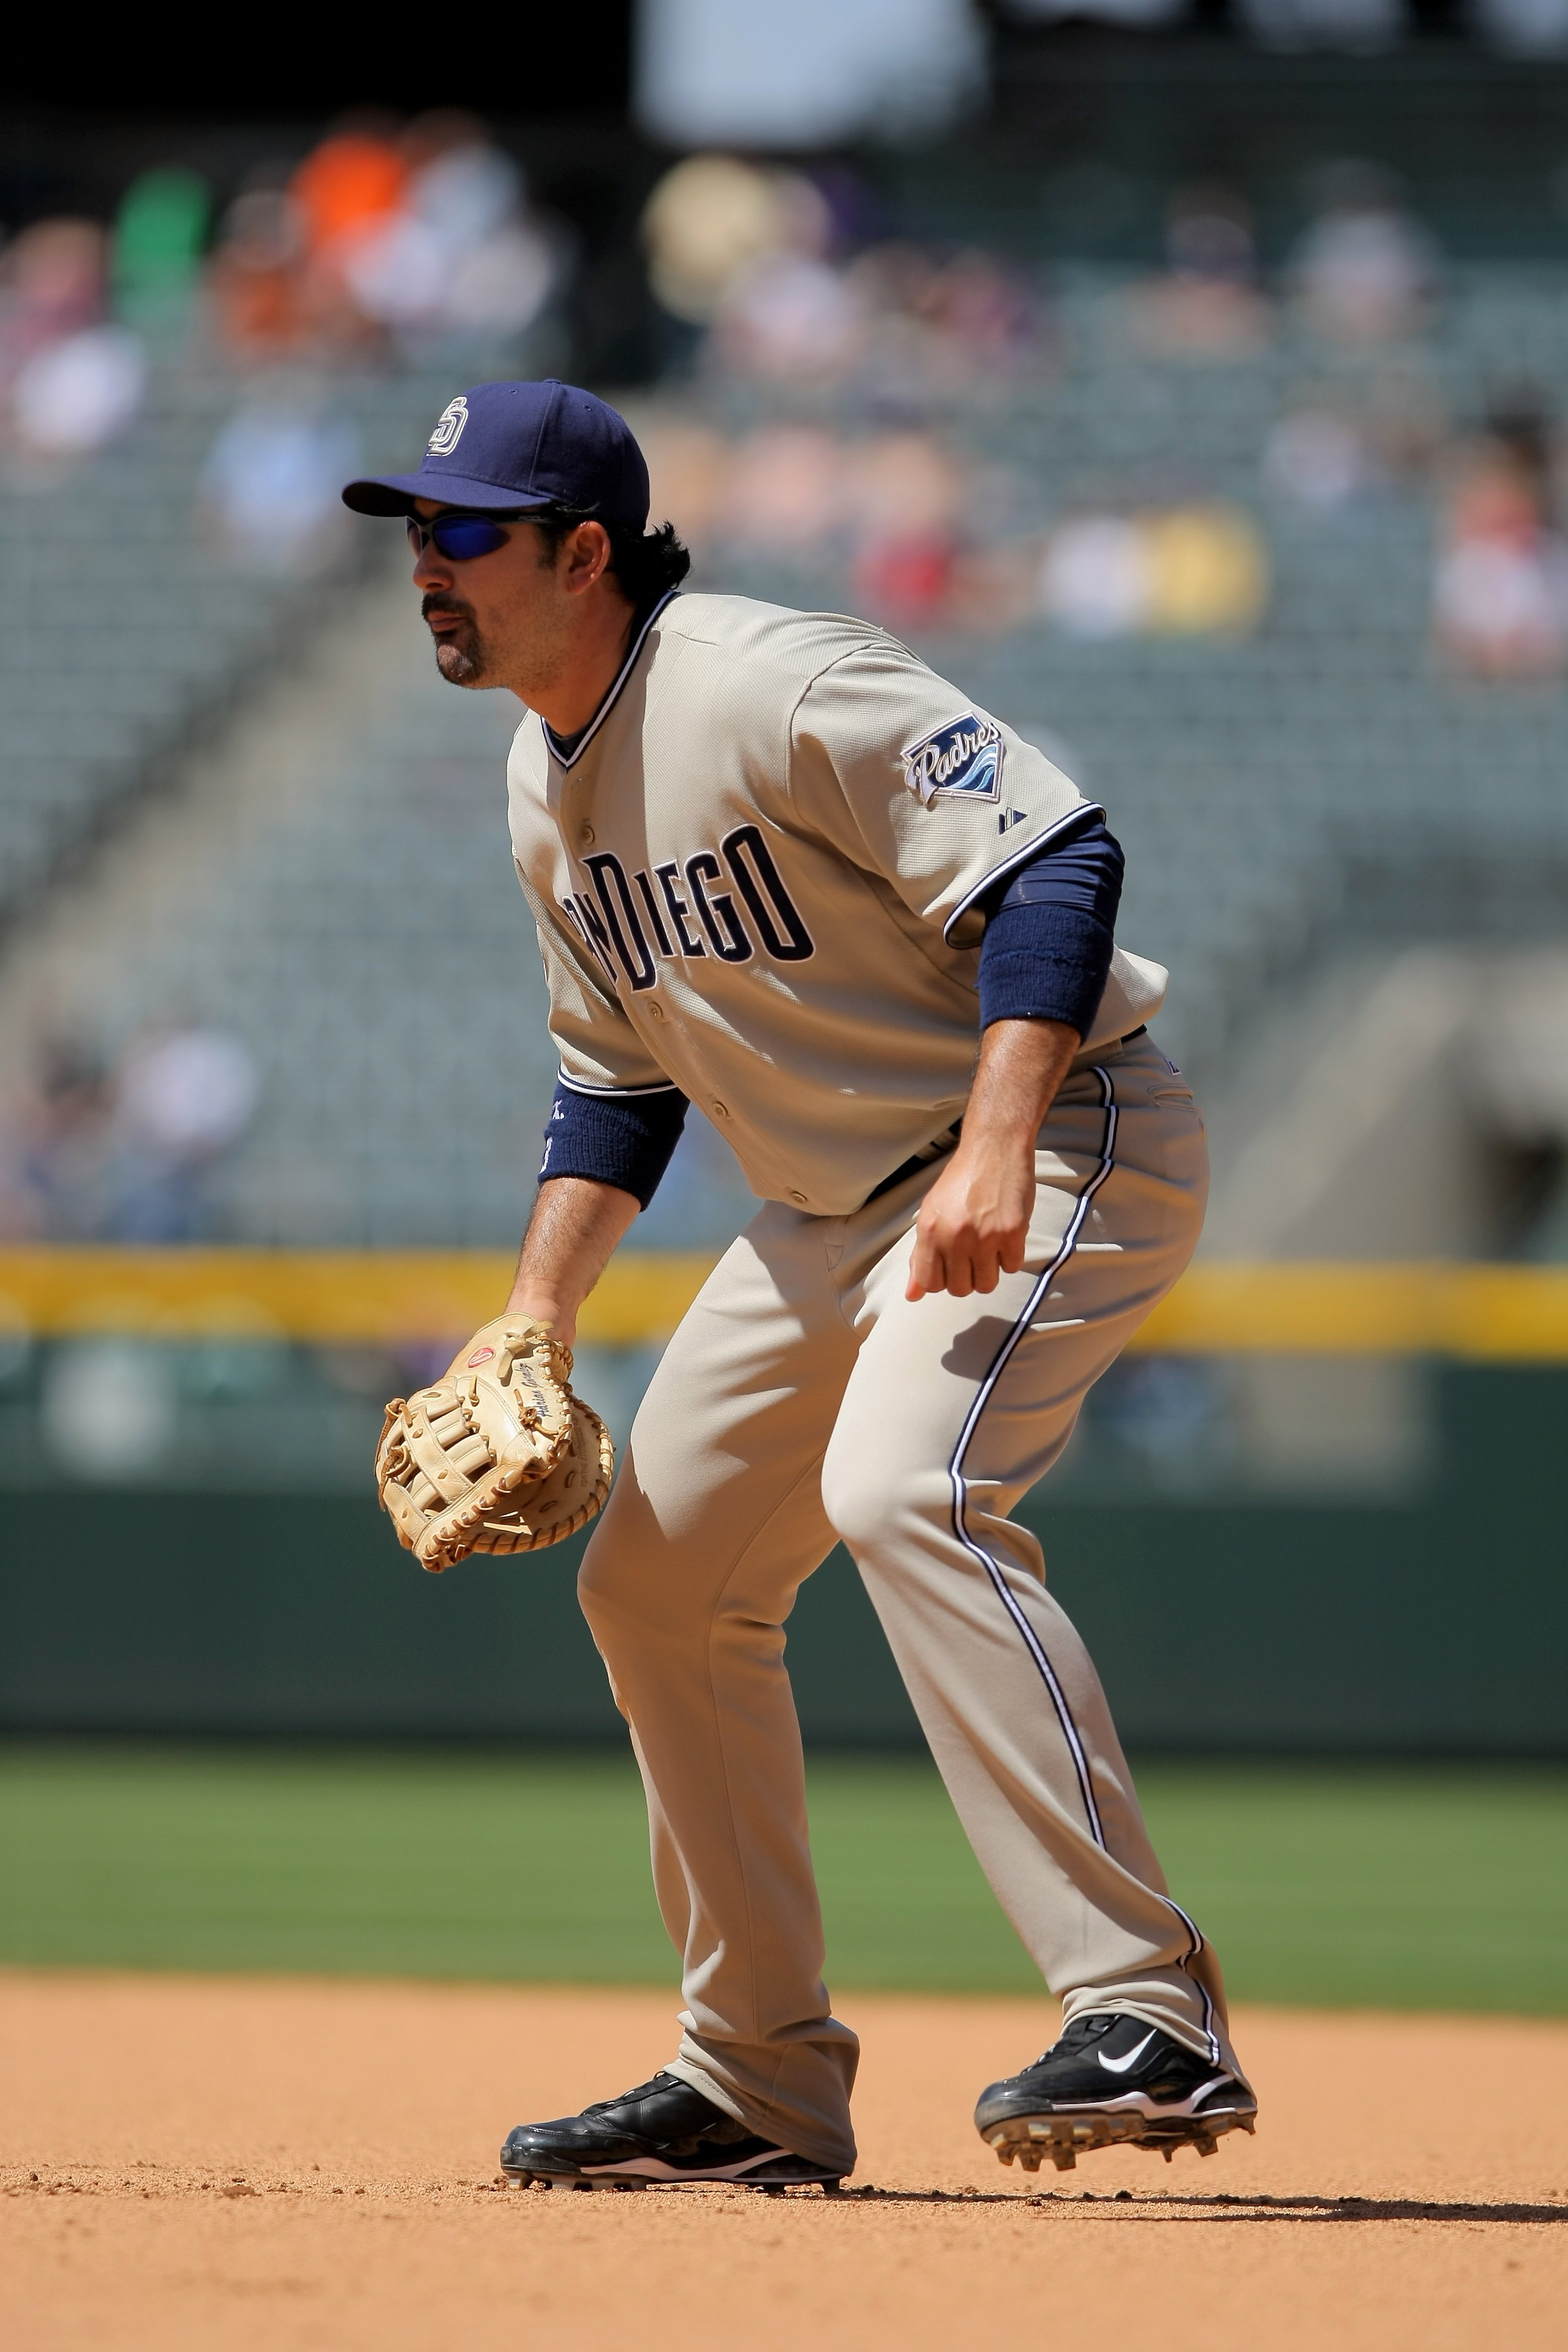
432, 569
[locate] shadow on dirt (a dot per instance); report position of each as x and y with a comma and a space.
1231, 2206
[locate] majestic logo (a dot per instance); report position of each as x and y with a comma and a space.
448, 427
965, 756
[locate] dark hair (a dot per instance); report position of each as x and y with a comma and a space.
647, 563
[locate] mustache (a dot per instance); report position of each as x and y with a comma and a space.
437, 602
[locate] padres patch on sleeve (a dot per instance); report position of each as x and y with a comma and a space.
962, 758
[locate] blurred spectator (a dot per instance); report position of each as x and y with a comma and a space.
1520, 428
52, 1184
1331, 450
270, 485
750, 252
122, 1155
52, 285
465, 187
1208, 574
789, 316
981, 316
1094, 582
1207, 305
908, 323
349, 183
1189, 572
992, 588
502, 285
184, 1096
1404, 411
894, 280
1500, 594
382, 236
689, 474
785, 490
904, 578
347, 193
159, 233
75, 395
71, 383
963, 327
256, 278
902, 494
455, 254
857, 216
927, 539
1317, 456
712, 218
1365, 272
186, 1093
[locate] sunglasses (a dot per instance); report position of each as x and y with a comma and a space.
459, 537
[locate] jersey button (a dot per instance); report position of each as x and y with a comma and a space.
587, 836
720, 1110
799, 1199
656, 1011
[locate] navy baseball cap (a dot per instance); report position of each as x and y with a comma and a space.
512, 445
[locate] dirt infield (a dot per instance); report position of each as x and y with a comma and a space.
213, 2163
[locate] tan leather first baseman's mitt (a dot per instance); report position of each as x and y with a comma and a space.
497, 1454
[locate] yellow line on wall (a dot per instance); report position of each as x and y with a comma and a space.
320, 1295
1498, 1314
1489, 1314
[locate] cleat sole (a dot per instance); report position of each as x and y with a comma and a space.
1028, 2140
566, 2181
632, 2180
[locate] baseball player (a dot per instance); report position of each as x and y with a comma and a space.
783, 873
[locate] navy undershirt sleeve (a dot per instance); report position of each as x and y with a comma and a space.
1049, 931
625, 1139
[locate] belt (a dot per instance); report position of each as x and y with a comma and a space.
917, 1160
945, 1141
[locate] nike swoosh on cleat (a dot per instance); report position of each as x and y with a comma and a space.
1119, 2065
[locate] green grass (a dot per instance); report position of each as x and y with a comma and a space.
1410, 1888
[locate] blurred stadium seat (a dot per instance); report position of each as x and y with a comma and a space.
123, 634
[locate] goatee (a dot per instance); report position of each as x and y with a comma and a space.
460, 661
459, 658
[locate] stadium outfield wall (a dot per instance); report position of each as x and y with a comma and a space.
1428, 1624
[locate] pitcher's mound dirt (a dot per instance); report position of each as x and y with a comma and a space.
196, 2165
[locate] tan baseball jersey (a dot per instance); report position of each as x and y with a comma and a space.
756, 878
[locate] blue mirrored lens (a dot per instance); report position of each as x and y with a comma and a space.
462, 537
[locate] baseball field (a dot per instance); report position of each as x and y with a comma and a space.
267, 2014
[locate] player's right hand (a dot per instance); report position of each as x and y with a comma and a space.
974, 1226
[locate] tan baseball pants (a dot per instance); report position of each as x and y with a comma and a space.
803, 1399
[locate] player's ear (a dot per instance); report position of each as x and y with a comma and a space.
585, 557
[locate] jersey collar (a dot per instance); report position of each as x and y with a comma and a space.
570, 759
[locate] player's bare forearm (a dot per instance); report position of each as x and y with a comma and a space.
975, 1224
575, 1226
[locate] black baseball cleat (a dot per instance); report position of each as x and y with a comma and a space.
1112, 2080
664, 2131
